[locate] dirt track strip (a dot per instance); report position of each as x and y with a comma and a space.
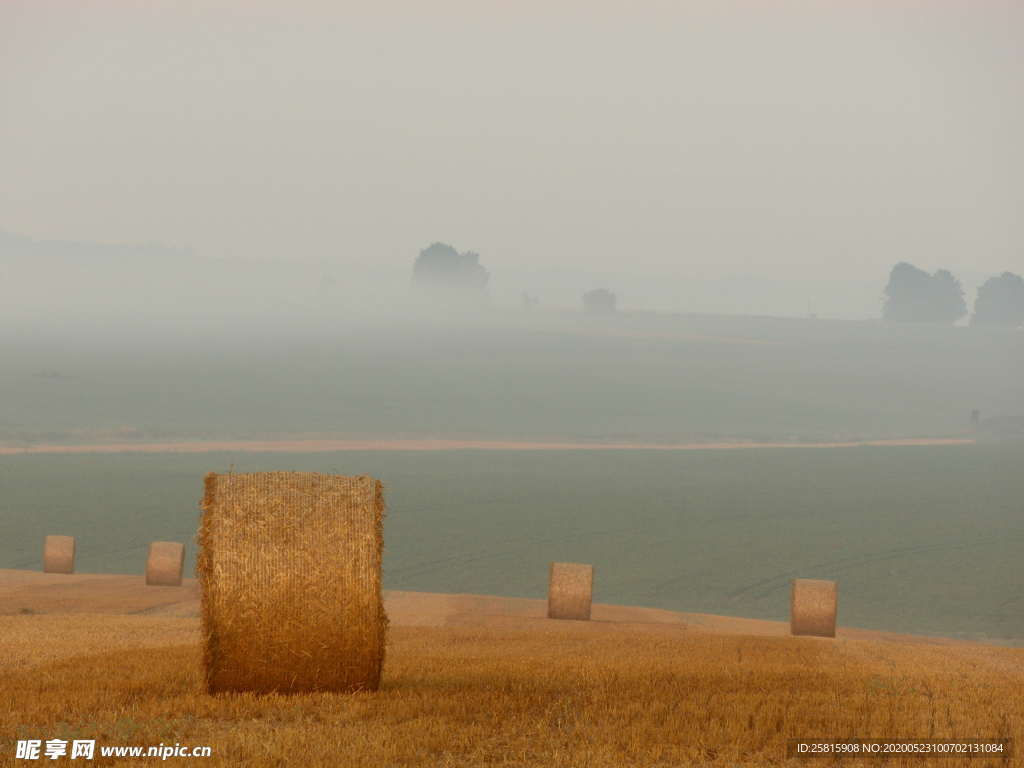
316, 446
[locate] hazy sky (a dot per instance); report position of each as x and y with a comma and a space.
701, 138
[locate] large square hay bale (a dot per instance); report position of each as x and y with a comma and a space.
570, 588
813, 607
290, 571
165, 563
59, 554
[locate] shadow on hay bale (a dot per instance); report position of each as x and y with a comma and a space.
570, 588
290, 572
165, 563
59, 554
813, 607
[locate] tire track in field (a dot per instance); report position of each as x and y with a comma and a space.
764, 587
513, 546
519, 546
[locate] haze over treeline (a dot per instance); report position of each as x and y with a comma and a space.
710, 156
208, 207
54, 281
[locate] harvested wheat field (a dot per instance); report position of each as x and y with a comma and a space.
482, 681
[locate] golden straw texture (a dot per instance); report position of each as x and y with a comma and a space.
812, 607
164, 564
59, 554
290, 571
570, 587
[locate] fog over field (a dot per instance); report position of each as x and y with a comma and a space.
730, 157
512, 375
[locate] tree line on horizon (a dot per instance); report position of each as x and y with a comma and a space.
911, 296
444, 274
915, 296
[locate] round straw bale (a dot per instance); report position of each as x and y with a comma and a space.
165, 563
812, 607
290, 571
570, 588
59, 554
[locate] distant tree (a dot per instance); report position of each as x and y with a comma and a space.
948, 304
599, 301
914, 296
439, 267
906, 294
1000, 301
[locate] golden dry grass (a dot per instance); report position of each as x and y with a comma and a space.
554, 694
290, 572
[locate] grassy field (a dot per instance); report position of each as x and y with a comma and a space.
545, 376
923, 540
567, 694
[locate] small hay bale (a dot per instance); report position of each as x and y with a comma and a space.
59, 554
165, 563
812, 607
570, 588
290, 571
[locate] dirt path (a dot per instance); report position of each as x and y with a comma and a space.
316, 446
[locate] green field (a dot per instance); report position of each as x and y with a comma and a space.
927, 540
642, 377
